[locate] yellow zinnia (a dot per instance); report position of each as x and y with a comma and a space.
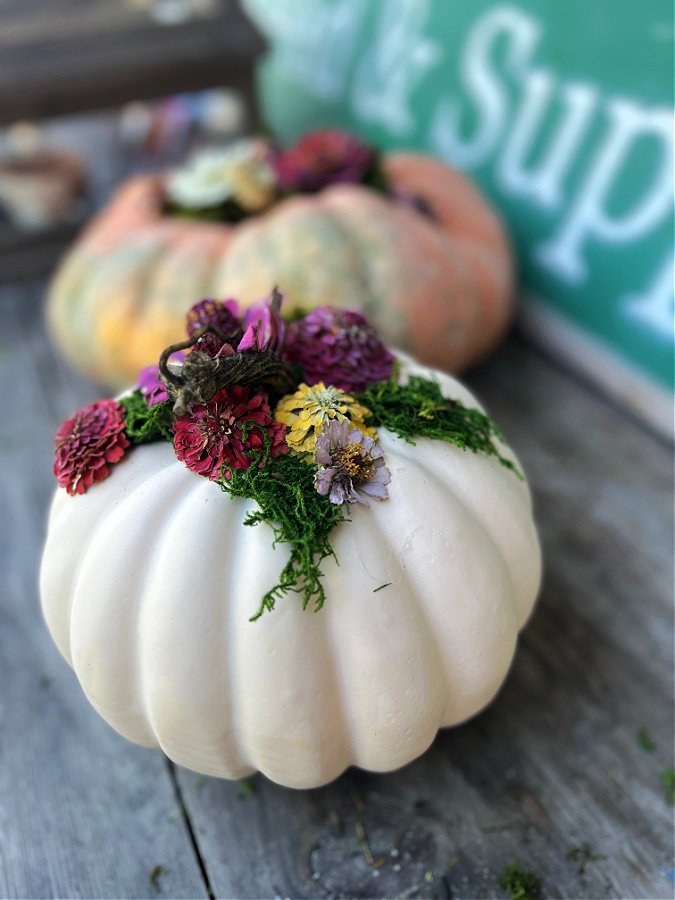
310, 408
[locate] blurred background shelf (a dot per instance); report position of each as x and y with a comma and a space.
126, 84
64, 56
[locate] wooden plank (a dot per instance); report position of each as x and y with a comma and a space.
54, 63
552, 772
83, 813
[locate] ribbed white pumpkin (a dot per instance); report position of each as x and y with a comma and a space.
149, 579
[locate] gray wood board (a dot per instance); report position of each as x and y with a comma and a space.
553, 765
75, 56
83, 813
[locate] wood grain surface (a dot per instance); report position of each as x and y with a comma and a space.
553, 773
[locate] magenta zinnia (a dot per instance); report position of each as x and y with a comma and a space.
150, 381
224, 433
265, 329
339, 347
222, 314
87, 443
322, 158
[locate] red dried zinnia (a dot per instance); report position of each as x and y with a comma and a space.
322, 158
212, 437
87, 443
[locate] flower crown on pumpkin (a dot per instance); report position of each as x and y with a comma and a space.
249, 176
285, 414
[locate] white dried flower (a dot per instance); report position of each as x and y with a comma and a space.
239, 172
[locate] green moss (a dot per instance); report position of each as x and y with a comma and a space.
644, 741
155, 873
583, 855
669, 785
519, 884
144, 424
419, 409
247, 788
299, 516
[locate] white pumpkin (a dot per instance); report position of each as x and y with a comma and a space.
149, 579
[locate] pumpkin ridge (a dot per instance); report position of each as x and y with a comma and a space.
106, 323
466, 682
181, 647
509, 494
107, 631
417, 608
142, 300
349, 231
262, 253
62, 508
385, 678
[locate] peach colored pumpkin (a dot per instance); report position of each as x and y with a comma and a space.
440, 289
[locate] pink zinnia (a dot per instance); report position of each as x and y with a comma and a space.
265, 329
211, 437
87, 443
222, 314
150, 381
322, 158
339, 347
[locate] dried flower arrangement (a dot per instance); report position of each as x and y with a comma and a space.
282, 414
248, 177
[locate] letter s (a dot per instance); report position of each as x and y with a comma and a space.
483, 85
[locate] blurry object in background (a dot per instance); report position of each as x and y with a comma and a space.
41, 189
226, 184
64, 59
65, 56
161, 133
420, 252
222, 113
175, 12
564, 115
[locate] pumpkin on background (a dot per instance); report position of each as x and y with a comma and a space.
149, 580
430, 265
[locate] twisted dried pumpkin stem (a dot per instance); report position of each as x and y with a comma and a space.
200, 377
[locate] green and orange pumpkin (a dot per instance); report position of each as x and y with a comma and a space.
438, 286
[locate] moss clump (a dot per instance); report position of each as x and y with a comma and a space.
519, 884
288, 502
144, 423
644, 741
419, 409
669, 785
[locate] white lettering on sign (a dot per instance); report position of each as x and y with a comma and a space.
484, 87
656, 307
314, 43
508, 137
545, 184
588, 217
394, 65
510, 103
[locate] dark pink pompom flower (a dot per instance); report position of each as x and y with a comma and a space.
339, 347
87, 443
322, 158
211, 437
221, 313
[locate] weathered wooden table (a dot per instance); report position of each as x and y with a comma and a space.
564, 771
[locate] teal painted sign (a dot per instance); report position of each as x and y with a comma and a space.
562, 111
